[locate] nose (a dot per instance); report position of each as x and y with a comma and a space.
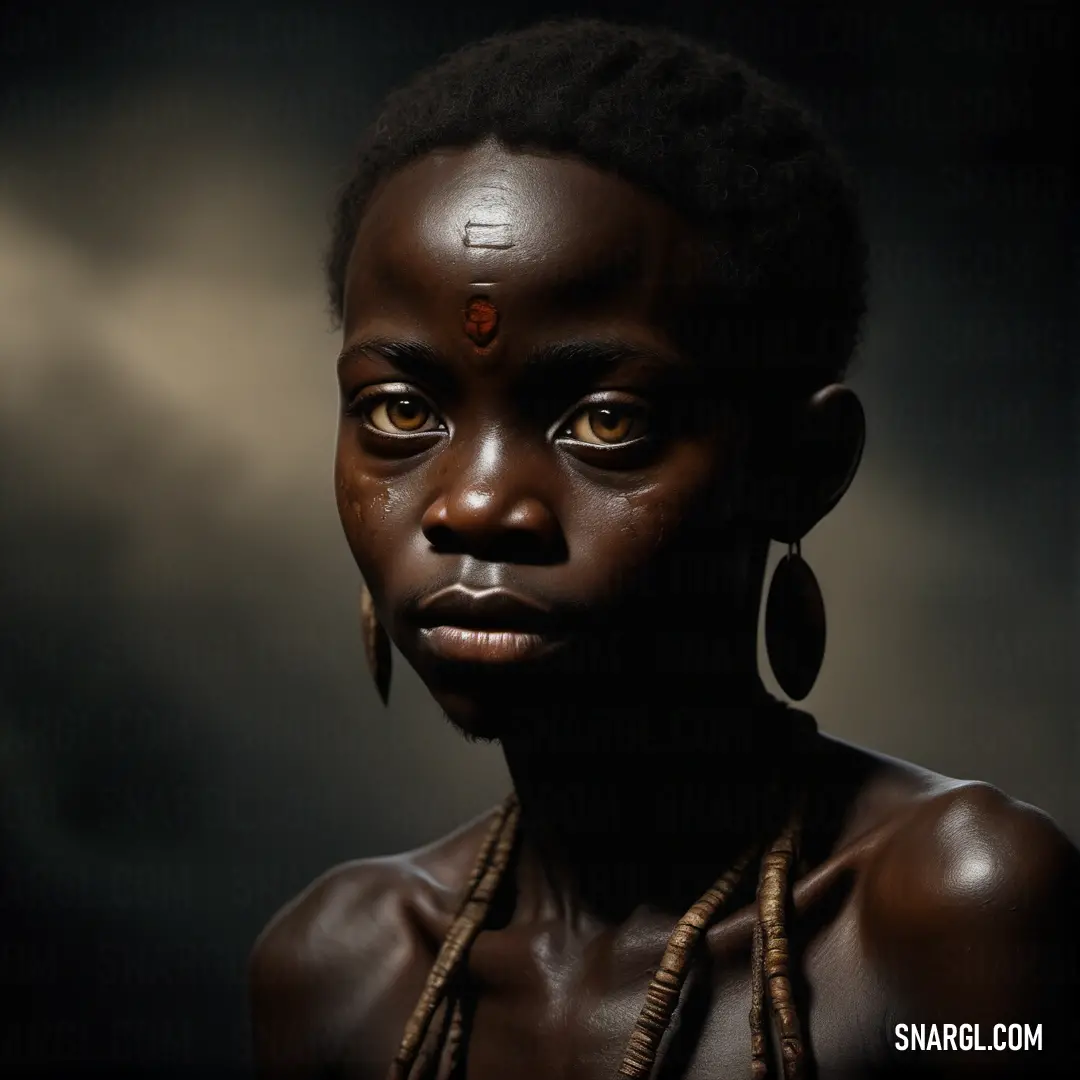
491, 506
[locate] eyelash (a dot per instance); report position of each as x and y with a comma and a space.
365, 403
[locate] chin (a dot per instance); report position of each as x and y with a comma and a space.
482, 723
490, 705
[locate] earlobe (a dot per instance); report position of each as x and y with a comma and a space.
840, 414
823, 448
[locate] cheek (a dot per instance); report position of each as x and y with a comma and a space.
363, 503
635, 531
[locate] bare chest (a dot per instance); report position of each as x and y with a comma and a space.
549, 1006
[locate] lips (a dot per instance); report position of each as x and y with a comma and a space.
485, 609
491, 626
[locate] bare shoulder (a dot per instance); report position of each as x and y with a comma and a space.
968, 916
939, 828
963, 911
970, 855
337, 970
315, 971
942, 851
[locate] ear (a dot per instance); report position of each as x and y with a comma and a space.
804, 458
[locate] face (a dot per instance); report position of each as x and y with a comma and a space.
532, 475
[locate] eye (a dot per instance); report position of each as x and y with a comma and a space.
608, 423
401, 414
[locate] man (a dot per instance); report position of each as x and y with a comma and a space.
599, 288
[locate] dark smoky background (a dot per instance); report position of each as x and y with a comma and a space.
187, 732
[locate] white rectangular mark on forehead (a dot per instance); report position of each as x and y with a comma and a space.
482, 234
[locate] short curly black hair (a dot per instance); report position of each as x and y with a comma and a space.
697, 127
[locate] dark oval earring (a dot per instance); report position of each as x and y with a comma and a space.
376, 644
795, 624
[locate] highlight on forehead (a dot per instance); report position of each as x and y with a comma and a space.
481, 321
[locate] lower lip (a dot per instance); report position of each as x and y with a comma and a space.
484, 646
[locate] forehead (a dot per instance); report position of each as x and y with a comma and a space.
529, 227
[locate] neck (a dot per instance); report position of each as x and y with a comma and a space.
625, 805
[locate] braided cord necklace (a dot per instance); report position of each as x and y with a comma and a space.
435, 1037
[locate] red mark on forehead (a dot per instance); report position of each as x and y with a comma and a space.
481, 321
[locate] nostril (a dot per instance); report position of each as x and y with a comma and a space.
445, 540
476, 522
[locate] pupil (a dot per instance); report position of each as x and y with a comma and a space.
408, 409
609, 423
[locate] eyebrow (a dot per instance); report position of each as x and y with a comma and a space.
413, 358
586, 359
589, 358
